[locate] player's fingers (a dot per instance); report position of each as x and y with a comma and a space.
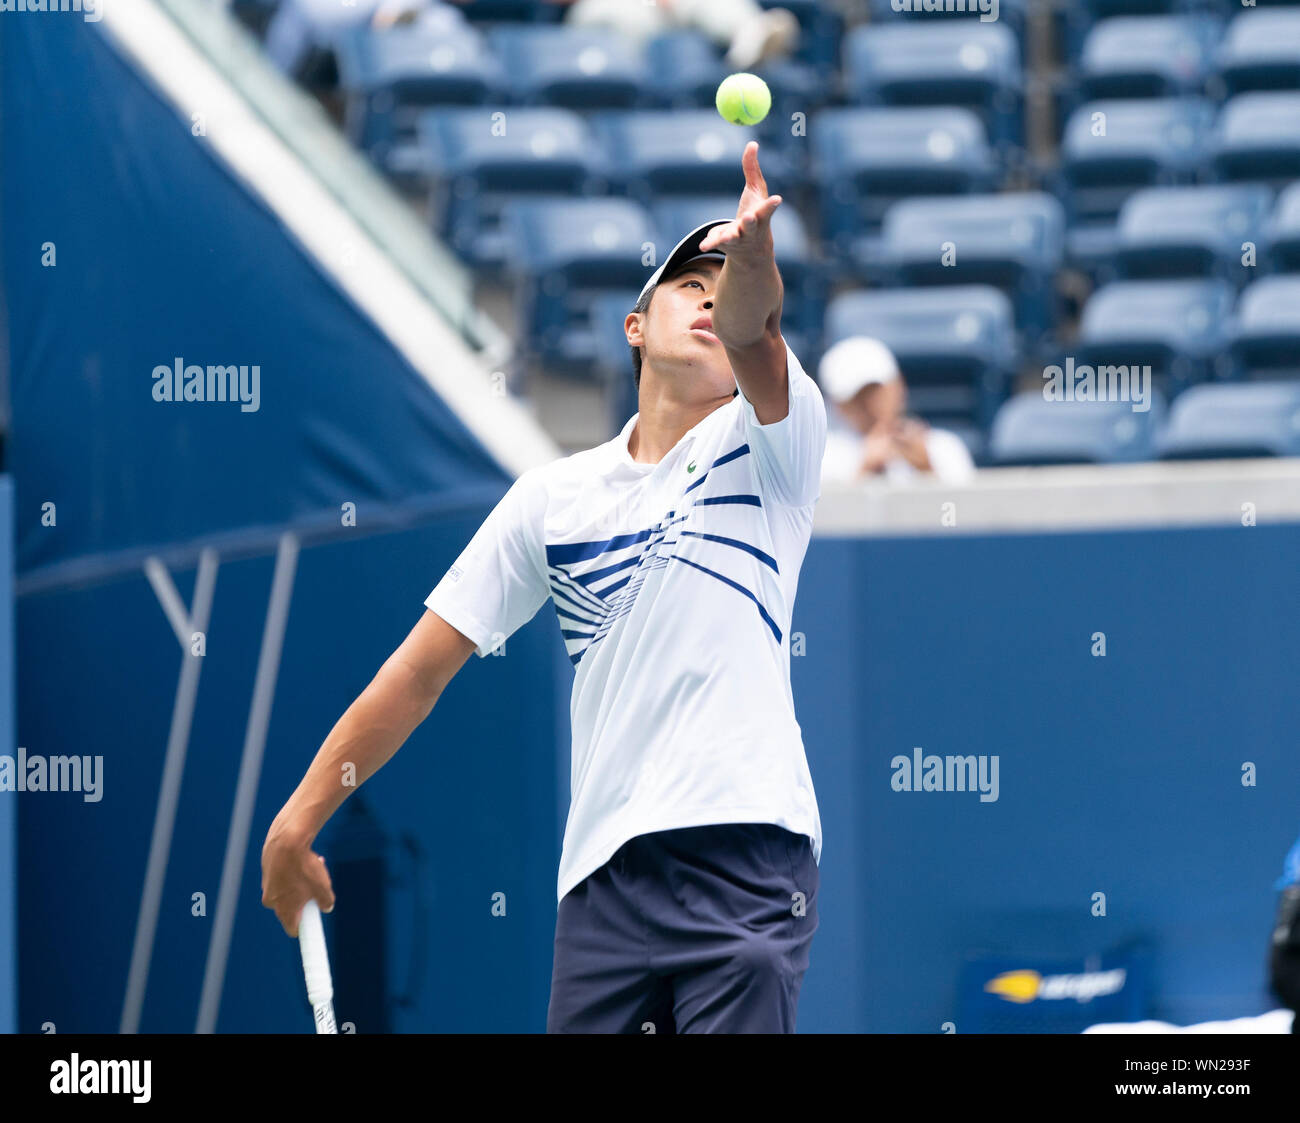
753, 173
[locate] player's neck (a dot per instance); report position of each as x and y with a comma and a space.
662, 421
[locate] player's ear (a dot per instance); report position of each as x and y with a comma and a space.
632, 329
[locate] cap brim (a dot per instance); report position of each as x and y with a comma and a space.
686, 249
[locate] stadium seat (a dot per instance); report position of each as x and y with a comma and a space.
1265, 331
1258, 138
821, 27
492, 11
1242, 420
388, 76
1145, 142
580, 68
1013, 241
1031, 430
653, 153
866, 159
1178, 328
1147, 56
687, 69
482, 163
561, 253
944, 62
955, 345
1282, 232
1079, 18
1261, 51
302, 34
1191, 231
1009, 13
805, 279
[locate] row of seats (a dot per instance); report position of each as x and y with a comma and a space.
958, 347
863, 162
1014, 242
1156, 56
1208, 422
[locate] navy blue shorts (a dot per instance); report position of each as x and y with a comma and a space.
696, 930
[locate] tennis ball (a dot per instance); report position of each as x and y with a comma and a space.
743, 99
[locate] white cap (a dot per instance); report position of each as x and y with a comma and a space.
854, 363
688, 249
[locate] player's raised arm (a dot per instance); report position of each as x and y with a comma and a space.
373, 728
747, 304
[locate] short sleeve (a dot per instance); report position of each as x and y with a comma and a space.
498, 582
789, 452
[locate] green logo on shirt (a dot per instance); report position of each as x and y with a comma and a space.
691, 466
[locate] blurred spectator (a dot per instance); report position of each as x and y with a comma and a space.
750, 34
873, 436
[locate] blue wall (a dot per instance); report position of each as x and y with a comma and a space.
1119, 774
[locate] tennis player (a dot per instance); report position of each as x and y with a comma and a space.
688, 878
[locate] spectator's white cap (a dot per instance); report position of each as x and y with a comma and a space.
854, 363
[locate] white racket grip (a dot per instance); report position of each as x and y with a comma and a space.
315, 959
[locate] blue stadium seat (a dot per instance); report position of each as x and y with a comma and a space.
1258, 138
577, 67
867, 159
1177, 328
492, 11
482, 162
1146, 142
805, 279
1009, 13
1247, 420
1079, 18
1032, 430
1261, 51
687, 69
1265, 332
955, 345
653, 153
821, 28
388, 76
562, 252
1282, 238
1191, 231
302, 34
944, 62
1147, 56
1014, 242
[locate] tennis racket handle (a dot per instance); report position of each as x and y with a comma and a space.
315, 960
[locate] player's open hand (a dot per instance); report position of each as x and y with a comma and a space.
749, 235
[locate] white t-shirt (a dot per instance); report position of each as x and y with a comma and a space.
673, 584
950, 459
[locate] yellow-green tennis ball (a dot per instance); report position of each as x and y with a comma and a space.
743, 99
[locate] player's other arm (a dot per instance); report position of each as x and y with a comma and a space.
373, 728
749, 294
